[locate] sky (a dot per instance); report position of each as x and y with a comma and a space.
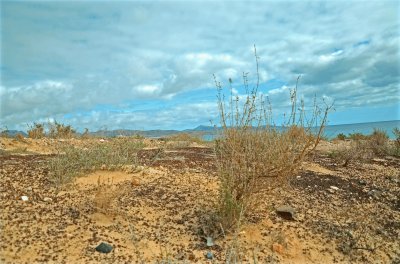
150, 64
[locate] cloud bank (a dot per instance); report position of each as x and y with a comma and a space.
150, 64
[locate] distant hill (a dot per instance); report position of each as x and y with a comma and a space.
129, 132
13, 133
202, 128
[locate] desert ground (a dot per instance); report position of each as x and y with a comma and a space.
159, 210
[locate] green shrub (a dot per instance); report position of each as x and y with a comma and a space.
341, 136
357, 136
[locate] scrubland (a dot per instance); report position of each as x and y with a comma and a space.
258, 193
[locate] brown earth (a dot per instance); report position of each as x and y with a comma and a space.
161, 211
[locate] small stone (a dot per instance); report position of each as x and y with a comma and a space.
362, 182
24, 198
278, 248
47, 199
135, 182
103, 167
210, 241
104, 248
334, 188
286, 212
138, 169
209, 255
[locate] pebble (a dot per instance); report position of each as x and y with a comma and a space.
24, 198
104, 248
47, 199
278, 248
210, 241
286, 211
209, 255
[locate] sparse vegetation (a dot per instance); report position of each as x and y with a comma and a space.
252, 153
73, 161
357, 150
182, 140
363, 148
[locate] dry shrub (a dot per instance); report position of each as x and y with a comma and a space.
378, 142
253, 153
19, 137
58, 130
396, 132
85, 134
105, 195
358, 150
394, 149
36, 131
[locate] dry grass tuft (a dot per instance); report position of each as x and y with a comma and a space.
73, 161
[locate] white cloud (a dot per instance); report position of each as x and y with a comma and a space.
75, 56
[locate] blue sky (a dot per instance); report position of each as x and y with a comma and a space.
150, 64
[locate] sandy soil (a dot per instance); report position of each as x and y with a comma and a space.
161, 211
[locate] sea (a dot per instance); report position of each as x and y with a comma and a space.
363, 128
331, 131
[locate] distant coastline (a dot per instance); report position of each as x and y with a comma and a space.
209, 132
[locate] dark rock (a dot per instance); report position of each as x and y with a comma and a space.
362, 182
209, 255
104, 248
286, 212
374, 193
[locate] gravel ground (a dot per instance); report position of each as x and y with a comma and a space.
161, 211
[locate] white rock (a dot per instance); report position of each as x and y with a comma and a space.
334, 188
47, 199
24, 198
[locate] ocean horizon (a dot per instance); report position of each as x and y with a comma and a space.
331, 131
